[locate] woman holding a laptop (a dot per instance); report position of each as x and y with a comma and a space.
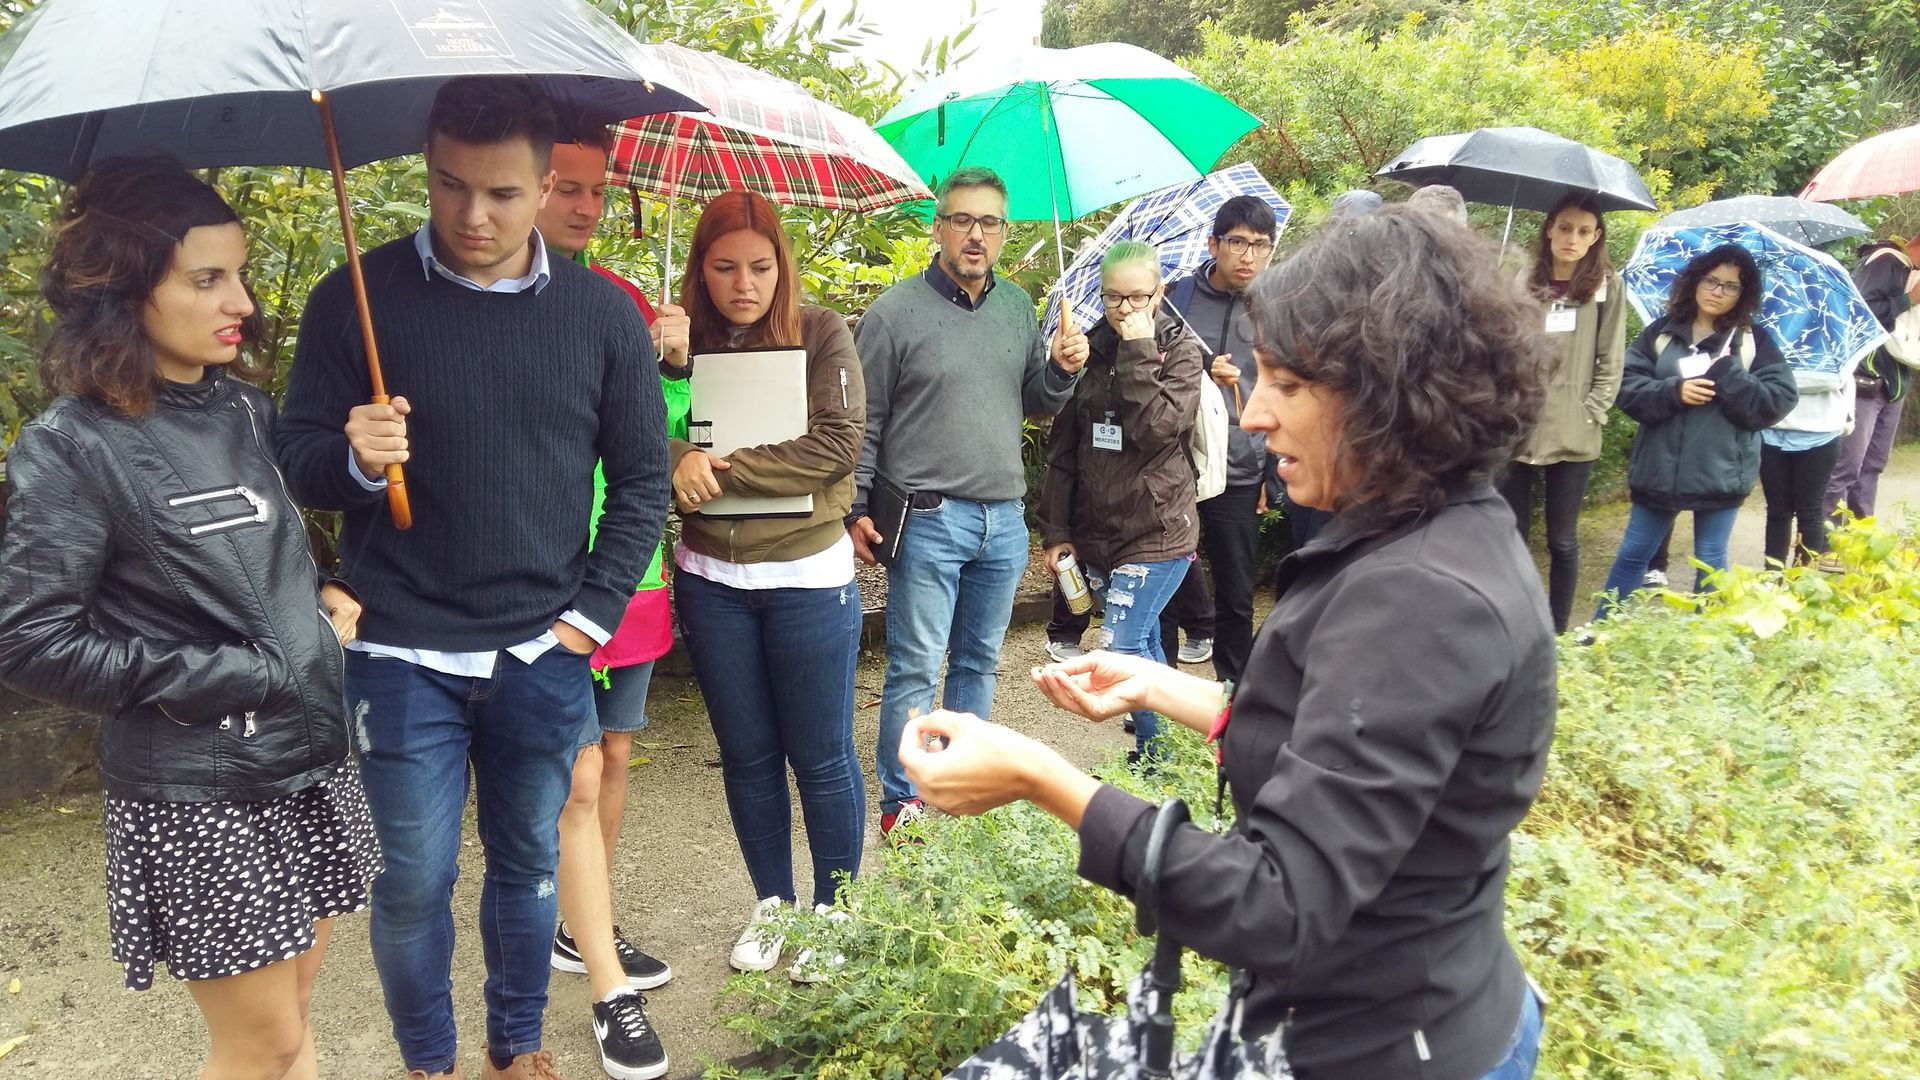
765, 591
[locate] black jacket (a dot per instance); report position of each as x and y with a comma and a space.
1391, 731
1883, 282
1137, 504
1701, 457
155, 571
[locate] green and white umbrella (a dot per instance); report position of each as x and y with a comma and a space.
1069, 130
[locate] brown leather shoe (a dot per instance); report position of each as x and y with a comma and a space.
537, 1065
422, 1074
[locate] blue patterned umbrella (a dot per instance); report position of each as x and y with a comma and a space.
1810, 305
1177, 220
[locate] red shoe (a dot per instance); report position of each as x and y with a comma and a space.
911, 810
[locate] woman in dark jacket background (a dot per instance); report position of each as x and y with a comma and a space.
1119, 490
1393, 727
155, 571
1703, 381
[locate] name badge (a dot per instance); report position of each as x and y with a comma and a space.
1693, 365
1106, 437
1561, 320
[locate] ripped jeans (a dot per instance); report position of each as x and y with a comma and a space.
417, 730
1134, 594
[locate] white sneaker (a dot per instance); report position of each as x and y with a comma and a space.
1654, 579
805, 968
759, 946
1062, 651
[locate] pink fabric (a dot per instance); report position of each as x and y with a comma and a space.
646, 633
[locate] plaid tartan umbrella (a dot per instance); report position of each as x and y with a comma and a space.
761, 134
1176, 220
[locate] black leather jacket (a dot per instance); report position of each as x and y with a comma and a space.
154, 570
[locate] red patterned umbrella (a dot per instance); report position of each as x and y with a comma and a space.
1887, 164
762, 134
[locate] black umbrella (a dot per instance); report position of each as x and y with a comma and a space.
325, 83
1519, 167
1811, 223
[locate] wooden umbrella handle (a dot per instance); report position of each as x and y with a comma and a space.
397, 505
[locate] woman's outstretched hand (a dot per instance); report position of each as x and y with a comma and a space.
963, 764
1100, 685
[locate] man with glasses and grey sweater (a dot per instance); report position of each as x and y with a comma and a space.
954, 360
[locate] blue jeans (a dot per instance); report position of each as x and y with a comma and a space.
1523, 1052
418, 730
1646, 528
951, 590
776, 667
1133, 595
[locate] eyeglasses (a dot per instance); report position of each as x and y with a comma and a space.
1240, 245
1719, 287
1114, 299
964, 223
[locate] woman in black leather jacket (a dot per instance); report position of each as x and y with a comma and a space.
155, 571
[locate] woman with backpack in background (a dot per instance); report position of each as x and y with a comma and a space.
1586, 318
1703, 381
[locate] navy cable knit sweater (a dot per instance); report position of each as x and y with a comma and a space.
515, 396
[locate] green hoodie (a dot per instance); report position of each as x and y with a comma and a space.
679, 397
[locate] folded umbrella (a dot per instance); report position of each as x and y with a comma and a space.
1810, 223
1808, 302
1177, 221
1886, 164
324, 83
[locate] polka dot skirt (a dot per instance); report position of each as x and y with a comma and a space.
220, 888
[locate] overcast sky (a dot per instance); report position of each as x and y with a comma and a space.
905, 26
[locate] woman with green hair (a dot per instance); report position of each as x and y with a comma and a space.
1119, 489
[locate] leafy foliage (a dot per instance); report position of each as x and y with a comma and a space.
1718, 879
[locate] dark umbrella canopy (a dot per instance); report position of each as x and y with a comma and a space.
1811, 223
1521, 167
230, 82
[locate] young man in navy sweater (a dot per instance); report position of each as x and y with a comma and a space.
515, 373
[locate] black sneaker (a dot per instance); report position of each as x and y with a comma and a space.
629, 1047
643, 971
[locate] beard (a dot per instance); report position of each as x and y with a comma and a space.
960, 273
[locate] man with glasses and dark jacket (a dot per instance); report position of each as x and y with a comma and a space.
1213, 303
954, 360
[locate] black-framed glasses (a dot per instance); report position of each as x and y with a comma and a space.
1138, 299
964, 223
1720, 288
1240, 245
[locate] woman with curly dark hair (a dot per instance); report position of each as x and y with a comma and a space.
155, 571
1703, 381
1393, 726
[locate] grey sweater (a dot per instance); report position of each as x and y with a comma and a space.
947, 386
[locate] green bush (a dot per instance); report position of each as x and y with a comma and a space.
1719, 878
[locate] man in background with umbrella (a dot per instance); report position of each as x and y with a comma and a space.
953, 361
520, 373
1213, 303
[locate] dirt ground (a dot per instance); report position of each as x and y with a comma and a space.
680, 891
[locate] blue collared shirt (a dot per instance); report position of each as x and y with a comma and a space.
944, 284
536, 277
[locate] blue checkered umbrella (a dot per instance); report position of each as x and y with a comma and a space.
1810, 305
1177, 220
